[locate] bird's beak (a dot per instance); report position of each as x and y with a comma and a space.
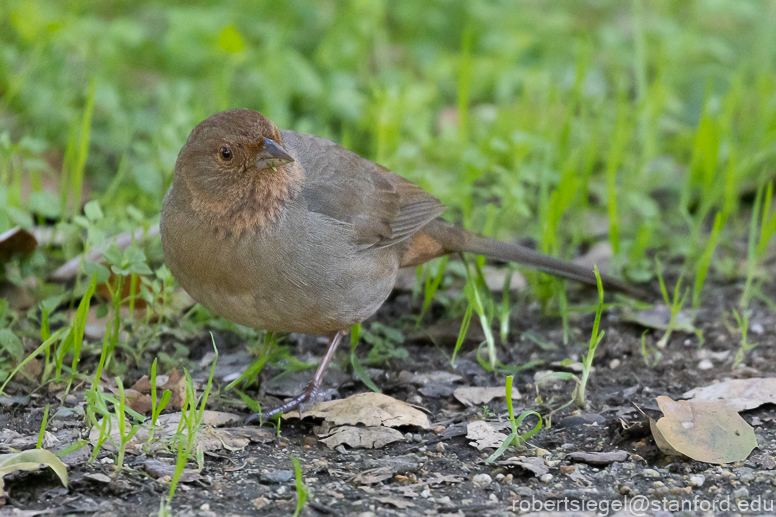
272, 155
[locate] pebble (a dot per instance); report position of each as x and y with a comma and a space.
698, 480
741, 493
662, 491
444, 500
367, 514
408, 437
508, 479
492, 497
440, 447
482, 480
650, 473
757, 328
567, 469
539, 452
205, 507
625, 490
546, 478
524, 491
705, 364
417, 438
425, 494
614, 363
439, 429
281, 490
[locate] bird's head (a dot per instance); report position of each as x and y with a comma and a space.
237, 171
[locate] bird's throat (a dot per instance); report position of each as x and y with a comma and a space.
251, 203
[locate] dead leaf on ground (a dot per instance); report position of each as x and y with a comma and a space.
176, 383
362, 437
659, 316
475, 396
422, 379
711, 432
159, 469
598, 458
370, 409
135, 400
484, 435
16, 241
386, 468
397, 503
209, 437
740, 394
599, 255
535, 465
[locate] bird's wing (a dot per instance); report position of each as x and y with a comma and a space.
383, 207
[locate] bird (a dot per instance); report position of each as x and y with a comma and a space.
290, 232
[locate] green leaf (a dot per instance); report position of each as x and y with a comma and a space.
32, 459
10, 342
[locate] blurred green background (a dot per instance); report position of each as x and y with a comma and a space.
561, 121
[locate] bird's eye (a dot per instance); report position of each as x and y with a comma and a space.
226, 153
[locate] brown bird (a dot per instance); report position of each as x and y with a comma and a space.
290, 232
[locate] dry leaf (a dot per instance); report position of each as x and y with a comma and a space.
362, 437
740, 394
422, 379
398, 503
16, 241
208, 437
598, 458
176, 383
474, 396
484, 435
370, 409
705, 431
534, 464
659, 316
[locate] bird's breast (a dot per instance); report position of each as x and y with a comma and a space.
302, 275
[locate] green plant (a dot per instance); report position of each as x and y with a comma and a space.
358, 369
124, 435
675, 303
515, 436
743, 327
156, 406
42, 432
595, 339
301, 489
756, 247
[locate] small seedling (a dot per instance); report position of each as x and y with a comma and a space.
514, 423
743, 326
595, 339
301, 489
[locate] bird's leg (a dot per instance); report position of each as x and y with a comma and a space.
310, 391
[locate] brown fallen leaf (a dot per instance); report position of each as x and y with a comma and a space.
143, 385
16, 241
362, 437
401, 504
598, 458
659, 317
535, 465
740, 394
135, 400
475, 396
208, 437
484, 435
176, 383
159, 469
370, 409
711, 432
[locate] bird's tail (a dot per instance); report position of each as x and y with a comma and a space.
450, 239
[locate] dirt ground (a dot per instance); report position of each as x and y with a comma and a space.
437, 471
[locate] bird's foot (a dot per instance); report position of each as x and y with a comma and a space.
302, 402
